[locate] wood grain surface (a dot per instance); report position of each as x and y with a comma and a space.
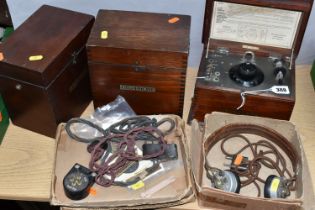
163, 94
42, 34
141, 31
27, 158
39, 95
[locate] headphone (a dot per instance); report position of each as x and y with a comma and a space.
243, 171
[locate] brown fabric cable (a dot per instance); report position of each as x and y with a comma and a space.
260, 156
227, 132
125, 153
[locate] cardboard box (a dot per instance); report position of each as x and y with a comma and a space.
302, 198
177, 192
70, 152
4, 119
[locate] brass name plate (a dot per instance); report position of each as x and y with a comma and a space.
137, 88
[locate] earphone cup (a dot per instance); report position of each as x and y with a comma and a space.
275, 187
238, 180
233, 182
267, 187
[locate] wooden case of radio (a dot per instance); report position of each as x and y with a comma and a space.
238, 35
43, 72
141, 56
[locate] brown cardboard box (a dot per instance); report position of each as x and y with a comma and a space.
69, 152
302, 198
178, 192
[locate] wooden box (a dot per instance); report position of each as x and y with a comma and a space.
5, 16
43, 73
141, 56
271, 30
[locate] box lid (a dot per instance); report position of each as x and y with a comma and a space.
139, 38
262, 25
53, 33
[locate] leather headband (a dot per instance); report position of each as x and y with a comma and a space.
259, 130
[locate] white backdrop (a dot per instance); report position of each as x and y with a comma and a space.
21, 9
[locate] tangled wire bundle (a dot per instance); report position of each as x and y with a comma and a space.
124, 135
264, 153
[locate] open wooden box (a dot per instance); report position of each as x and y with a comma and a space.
273, 31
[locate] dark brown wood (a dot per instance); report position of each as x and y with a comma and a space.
167, 97
266, 105
144, 59
138, 31
5, 16
44, 35
210, 98
304, 6
41, 94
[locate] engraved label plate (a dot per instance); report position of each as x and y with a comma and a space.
254, 25
137, 88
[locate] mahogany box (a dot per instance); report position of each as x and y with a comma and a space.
43, 69
141, 56
5, 17
250, 49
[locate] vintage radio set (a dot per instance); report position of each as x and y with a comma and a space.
141, 56
248, 63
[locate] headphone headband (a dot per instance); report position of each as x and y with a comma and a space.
265, 132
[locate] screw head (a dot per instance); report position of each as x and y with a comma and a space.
18, 86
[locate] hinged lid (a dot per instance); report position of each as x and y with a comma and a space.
275, 26
139, 38
44, 44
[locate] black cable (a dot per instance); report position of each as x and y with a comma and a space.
121, 127
86, 122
